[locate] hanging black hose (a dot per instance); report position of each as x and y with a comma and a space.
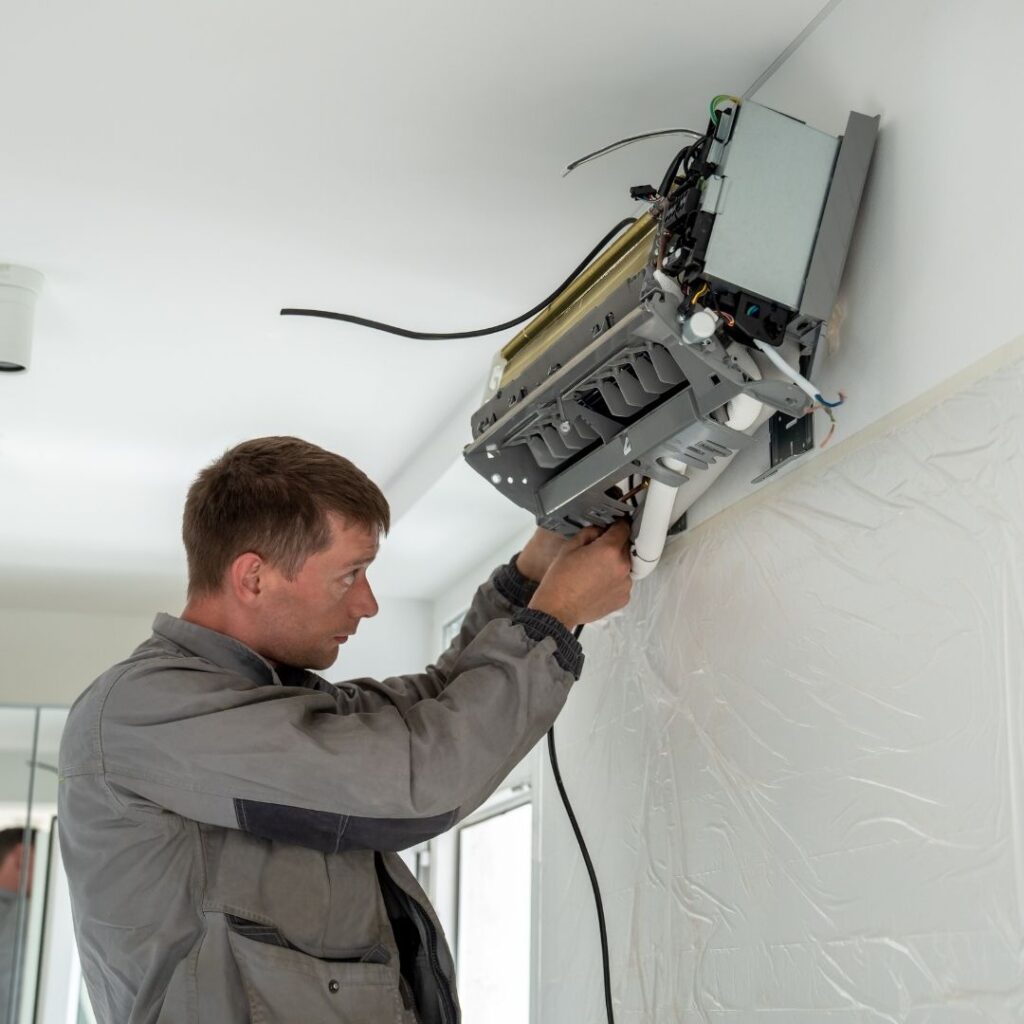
377, 325
602, 928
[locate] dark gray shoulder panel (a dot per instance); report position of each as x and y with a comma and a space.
336, 833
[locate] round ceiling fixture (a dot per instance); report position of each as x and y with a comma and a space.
19, 288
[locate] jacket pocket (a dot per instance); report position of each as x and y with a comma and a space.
286, 986
267, 933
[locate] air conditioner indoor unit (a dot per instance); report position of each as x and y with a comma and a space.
630, 393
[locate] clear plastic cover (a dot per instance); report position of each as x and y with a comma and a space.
798, 757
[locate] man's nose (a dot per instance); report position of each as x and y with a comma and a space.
366, 604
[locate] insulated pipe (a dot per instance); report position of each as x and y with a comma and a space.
664, 504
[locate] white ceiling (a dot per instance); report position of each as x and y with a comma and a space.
181, 171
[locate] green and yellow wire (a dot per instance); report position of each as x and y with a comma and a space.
713, 106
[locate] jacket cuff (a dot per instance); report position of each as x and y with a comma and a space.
513, 585
539, 625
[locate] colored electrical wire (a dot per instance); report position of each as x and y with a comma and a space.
703, 291
805, 386
598, 902
684, 158
631, 494
713, 105
831, 429
795, 376
832, 405
819, 408
622, 143
376, 325
662, 239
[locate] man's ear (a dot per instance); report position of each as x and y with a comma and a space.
245, 577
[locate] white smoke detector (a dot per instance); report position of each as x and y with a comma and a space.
19, 288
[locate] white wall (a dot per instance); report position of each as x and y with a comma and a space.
797, 757
455, 599
50, 656
935, 265
395, 641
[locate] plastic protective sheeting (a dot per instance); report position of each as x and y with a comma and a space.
799, 757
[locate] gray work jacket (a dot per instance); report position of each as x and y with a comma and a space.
228, 827
8, 943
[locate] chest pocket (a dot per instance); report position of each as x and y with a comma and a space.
285, 986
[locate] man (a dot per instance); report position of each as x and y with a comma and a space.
15, 862
228, 819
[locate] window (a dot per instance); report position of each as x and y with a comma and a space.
417, 860
494, 918
40, 976
450, 630
480, 877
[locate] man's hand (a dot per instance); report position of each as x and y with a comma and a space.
541, 550
588, 578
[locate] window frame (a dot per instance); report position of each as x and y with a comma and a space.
523, 786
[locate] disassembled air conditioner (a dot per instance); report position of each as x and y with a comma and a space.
630, 393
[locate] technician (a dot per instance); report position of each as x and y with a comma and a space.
16, 867
229, 819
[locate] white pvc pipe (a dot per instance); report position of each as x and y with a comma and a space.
655, 521
664, 504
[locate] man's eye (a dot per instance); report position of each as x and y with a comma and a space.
350, 578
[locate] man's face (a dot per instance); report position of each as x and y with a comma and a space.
10, 869
304, 621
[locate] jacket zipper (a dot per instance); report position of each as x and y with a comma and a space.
445, 1000
447, 1003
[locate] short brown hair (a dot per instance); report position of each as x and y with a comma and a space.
12, 838
272, 495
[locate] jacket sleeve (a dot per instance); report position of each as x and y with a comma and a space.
506, 593
290, 764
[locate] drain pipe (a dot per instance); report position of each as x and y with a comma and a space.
664, 504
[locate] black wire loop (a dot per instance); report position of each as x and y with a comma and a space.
376, 325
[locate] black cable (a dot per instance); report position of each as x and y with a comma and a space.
688, 154
602, 928
670, 175
430, 336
